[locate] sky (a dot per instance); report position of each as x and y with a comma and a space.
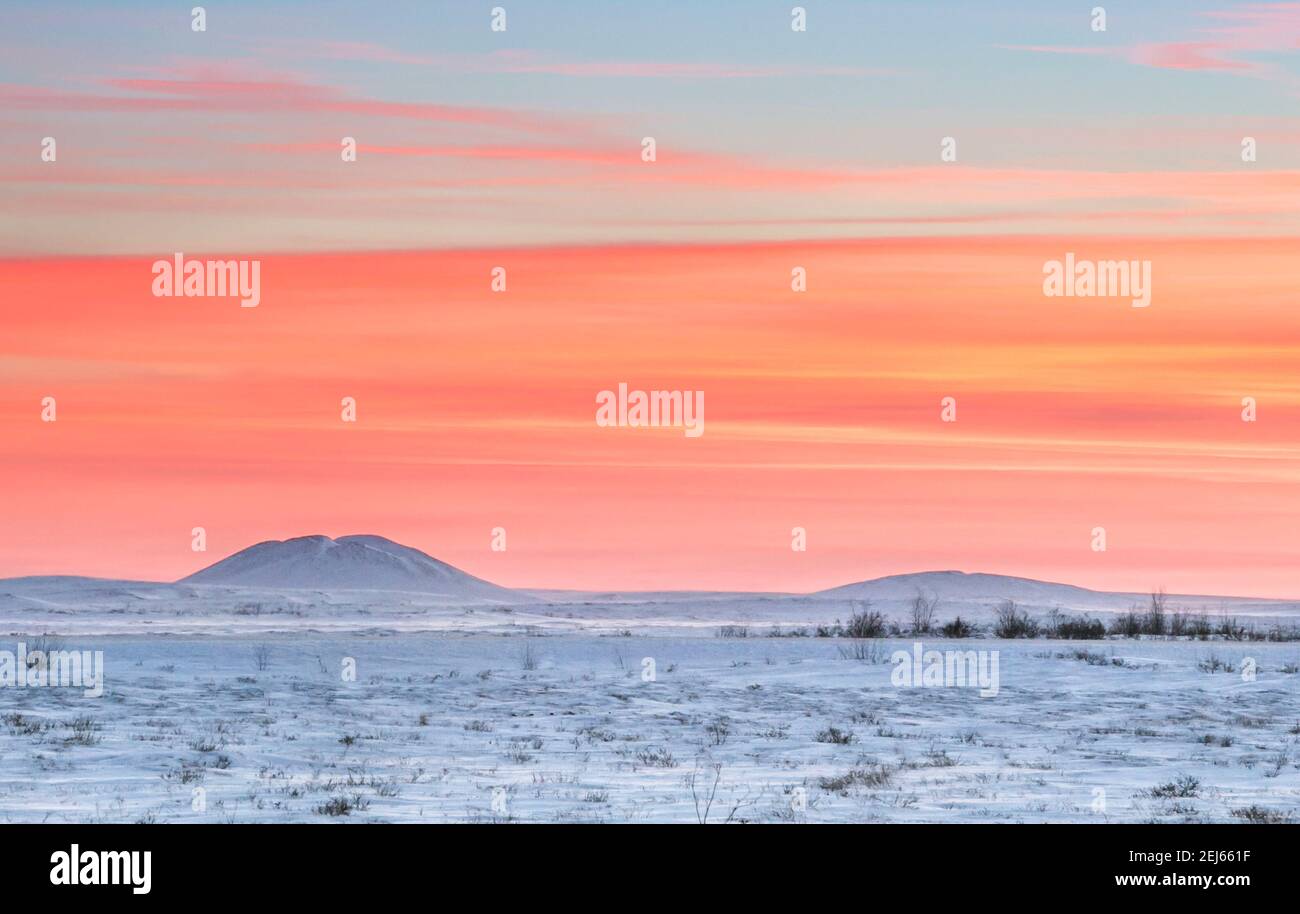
775, 149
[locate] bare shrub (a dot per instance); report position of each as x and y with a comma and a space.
1185, 786
866, 651
1283, 633
957, 628
1230, 629
1187, 625
1213, 663
703, 795
718, 731
1088, 657
85, 732
864, 623
872, 776
343, 806
1011, 622
835, 736
1128, 625
922, 612
1154, 623
21, 725
1259, 816
528, 656
656, 758
704, 790
1073, 628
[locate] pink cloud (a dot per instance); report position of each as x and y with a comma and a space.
1257, 27
1186, 55
201, 91
1251, 29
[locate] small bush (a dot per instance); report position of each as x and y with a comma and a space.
834, 735
1127, 625
957, 628
85, 732
864, 624
1088, 657
1259, 816
870, 777
865, 651
343, 806
656, 758
21, 725
1186, 786
1230, 629
1186, 625
1213, 663
922, 612
1279, 633
1154, 623
733, 631
718, 731
1068, 628
1012, 623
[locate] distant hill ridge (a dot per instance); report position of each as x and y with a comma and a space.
367, 562
961, 585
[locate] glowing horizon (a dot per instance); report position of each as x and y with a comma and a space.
823, 411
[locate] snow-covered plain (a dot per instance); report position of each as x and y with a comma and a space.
448, 727
226, 699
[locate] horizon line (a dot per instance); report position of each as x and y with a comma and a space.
1145, 591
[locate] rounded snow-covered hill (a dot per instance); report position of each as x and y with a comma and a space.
358, 562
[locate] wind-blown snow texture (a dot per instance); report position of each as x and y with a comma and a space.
472, 702
449, 728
